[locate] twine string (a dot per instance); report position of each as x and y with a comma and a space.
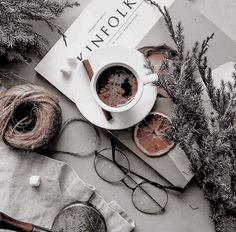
81, 153
30, 119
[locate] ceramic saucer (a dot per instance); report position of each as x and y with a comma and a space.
87, 105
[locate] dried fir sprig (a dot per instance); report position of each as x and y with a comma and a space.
10, 78
209, 142
18, 38
223, 99
176, 35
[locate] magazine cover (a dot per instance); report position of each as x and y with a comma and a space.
101, 23
123, 23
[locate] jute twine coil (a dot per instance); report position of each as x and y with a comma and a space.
30, 117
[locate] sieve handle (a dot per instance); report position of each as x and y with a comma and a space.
9, 223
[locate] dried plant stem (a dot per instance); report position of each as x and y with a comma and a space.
209, 142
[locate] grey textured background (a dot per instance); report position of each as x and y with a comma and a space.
180, 217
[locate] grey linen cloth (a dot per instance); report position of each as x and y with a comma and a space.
60, 186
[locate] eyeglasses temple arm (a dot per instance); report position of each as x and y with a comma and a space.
175, 188
113, 148
115, 138
124, 169
171, 187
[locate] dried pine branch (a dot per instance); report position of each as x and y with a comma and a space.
17, 37
176, 35
209, 142
223, 98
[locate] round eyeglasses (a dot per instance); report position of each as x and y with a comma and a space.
112, 165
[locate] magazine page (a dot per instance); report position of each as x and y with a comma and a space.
103, 22
120, 22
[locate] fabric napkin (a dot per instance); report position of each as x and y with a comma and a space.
60, 186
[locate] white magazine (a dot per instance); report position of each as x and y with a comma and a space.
96, 21
134, 23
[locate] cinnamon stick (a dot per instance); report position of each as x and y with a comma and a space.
90, 73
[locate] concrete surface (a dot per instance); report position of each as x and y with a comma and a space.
180, 215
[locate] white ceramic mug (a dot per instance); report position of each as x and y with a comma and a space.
140, 76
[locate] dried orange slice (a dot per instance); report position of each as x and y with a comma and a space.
150, 134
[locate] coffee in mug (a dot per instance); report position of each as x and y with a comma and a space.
116, 86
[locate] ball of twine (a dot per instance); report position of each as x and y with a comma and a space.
30, 117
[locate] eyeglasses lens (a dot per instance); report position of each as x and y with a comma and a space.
109, 170
149, 199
